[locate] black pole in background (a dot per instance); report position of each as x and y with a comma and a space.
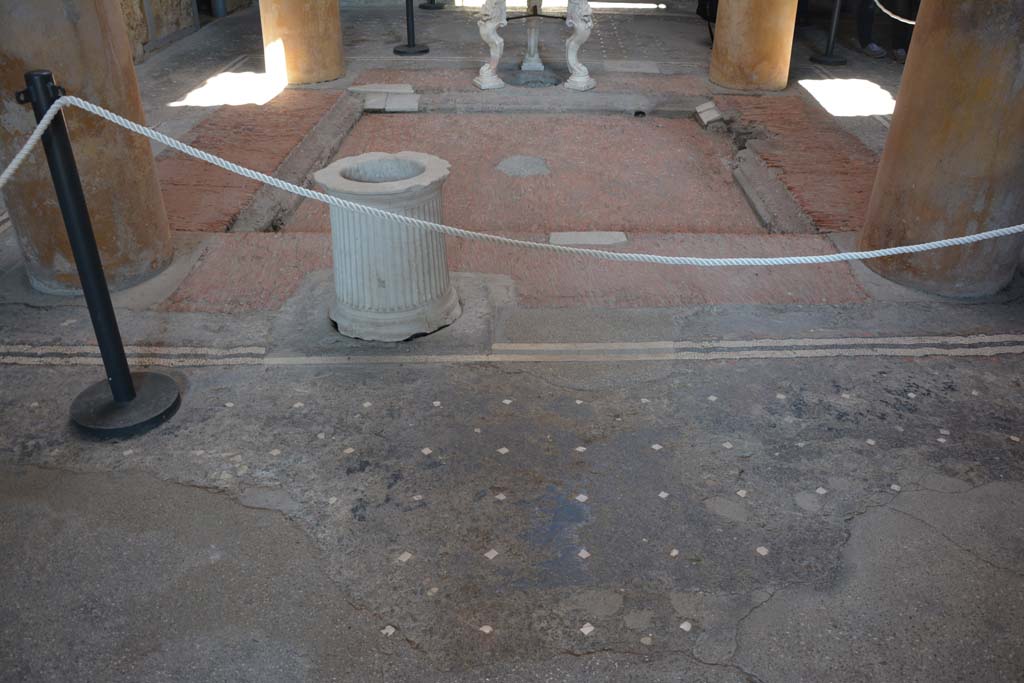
432, 4
830, 57
135, 396
410, 47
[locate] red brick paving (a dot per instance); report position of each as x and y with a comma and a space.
828, 171
607, 172
260, 271
250, 272
549, 280
202, 197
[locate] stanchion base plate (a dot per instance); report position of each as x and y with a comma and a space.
157, 398
828, 60
412, 50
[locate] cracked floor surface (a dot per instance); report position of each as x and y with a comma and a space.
843, 519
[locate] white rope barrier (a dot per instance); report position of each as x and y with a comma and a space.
627, 257
892, 15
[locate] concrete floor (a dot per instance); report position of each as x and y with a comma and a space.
766, 475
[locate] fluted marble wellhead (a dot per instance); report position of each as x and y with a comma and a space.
391, 280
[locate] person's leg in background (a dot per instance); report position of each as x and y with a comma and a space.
902, 33
865, 29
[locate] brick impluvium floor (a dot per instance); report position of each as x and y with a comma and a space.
600, 472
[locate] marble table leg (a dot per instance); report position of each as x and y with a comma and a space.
580, 18
532, 61
492, 16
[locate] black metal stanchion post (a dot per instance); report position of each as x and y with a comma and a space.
410, 47
126, 402
830, 57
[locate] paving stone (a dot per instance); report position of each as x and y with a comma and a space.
402, 103
591, 238
382, 88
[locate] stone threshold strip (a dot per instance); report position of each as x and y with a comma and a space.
600, 352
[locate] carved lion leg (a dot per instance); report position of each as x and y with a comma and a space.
491, 18
580, 18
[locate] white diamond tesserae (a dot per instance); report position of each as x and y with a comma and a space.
583, 498
503, 450
587, 629
663, 495
583, 553
486, 629
491, 554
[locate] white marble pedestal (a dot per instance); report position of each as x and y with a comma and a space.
391, 280
579, 17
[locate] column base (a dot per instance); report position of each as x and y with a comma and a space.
411, 50
488, 82
531, 65
580, 83
157, 398
400, 325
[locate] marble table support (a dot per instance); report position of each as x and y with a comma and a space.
493, 16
